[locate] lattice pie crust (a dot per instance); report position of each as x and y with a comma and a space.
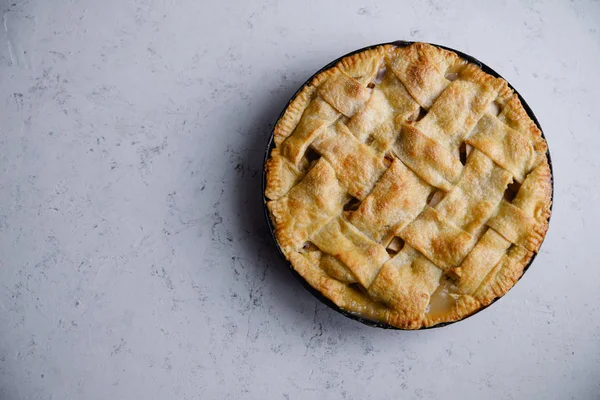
408, 186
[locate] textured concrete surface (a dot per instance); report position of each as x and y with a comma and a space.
134, 258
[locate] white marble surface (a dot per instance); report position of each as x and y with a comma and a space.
134, 258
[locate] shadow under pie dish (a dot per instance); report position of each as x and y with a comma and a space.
408, 186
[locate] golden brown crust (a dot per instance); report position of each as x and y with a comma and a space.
459, 107
385, 173
284, 174
507, 147
480, 261
406, 283
362, 256
504, 275
517, 227
437, 238
356, 165
308, 206
336, 269
476, 195
431, 161
534, 196
317, 117
377, 114
289, 120
344, 93
395, 201
340, 293
422, 69
365, 65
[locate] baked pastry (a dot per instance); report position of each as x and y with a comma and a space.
408, 186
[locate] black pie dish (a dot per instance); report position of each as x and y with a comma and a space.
271, 145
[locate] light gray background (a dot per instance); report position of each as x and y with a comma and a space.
134, 258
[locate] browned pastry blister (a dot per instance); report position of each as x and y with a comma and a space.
408, 186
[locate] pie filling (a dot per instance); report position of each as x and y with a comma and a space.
408, 186
443, 301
